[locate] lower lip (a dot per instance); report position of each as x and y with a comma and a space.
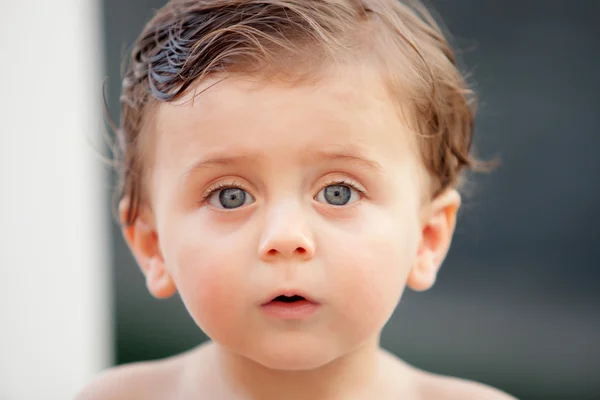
296, 310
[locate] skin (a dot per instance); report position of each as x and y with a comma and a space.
283, 146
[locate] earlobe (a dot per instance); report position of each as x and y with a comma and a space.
436, 237
423, 274
142, 239
158, 280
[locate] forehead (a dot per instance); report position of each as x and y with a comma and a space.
240, 114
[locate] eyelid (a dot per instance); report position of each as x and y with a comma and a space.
347, 182
234, 183
220, 185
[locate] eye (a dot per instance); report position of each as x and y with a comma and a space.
338, 195
229, 198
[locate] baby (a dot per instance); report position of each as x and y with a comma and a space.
288, 167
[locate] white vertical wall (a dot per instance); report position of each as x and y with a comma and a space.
54, 321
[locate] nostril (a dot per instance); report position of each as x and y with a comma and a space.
299, 250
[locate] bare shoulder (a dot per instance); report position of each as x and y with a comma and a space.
144, 380
432, 386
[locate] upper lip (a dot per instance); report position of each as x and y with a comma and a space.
288, 293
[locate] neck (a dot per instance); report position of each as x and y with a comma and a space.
343, 378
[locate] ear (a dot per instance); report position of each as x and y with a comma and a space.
142, 239
437, 230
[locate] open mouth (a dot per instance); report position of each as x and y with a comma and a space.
288, 299
290, 306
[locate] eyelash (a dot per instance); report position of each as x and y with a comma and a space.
220, 186
233, 185
346, 183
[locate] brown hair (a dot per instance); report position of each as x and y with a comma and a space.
191, 39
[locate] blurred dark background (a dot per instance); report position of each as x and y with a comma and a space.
516, 305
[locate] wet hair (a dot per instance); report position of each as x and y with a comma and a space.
294, 40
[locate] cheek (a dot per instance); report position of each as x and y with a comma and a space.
370, 281
208, 273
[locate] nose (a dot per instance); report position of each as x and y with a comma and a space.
286, 235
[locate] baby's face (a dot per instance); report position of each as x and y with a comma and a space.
261, 190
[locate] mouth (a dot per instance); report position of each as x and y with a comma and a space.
290, 306
288, 299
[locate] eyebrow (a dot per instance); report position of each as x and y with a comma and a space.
346, 154
350, 155
215, 161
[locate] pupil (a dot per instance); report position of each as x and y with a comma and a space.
337, 195
232, 198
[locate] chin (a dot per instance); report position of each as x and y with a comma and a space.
294, 354
293, 360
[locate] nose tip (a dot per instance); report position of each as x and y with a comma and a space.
286, 233
286, 246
